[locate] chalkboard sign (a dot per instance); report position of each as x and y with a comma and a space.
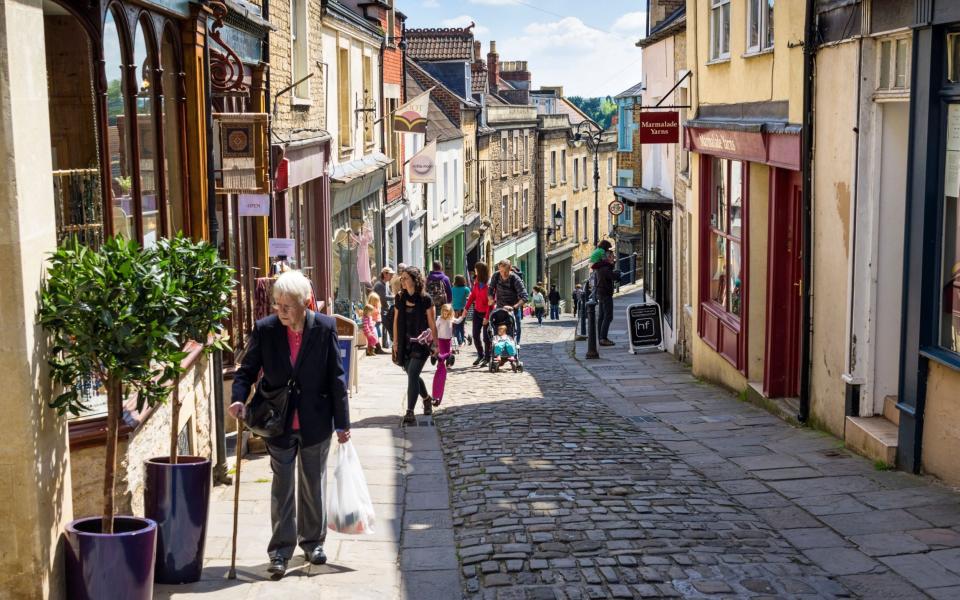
646, 326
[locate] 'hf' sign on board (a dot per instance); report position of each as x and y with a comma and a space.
646, 326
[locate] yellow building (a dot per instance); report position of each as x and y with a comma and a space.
746, 191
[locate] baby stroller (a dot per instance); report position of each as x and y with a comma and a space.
503, 317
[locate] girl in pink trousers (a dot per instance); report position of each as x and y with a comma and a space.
444, 353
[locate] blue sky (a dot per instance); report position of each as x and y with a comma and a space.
587, 46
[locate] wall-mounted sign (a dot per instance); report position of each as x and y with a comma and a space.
659, 127
254, 205
616, 207
423, 166
646, 326
283, 247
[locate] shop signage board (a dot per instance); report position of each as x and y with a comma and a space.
423, 166
254, 205
659, 127
645, 322
282, 247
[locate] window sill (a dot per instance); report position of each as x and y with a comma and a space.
301, 103
941, 356
755, 53
718, 61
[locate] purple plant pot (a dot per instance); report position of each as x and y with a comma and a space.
110, 565
177, 497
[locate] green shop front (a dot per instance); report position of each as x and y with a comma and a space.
522, 253
451, 252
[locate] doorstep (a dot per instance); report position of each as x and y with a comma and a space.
874, 437
890, 410
785, 408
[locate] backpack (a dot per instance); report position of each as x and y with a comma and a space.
437, 292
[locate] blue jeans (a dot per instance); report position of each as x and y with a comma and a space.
555, 312
518, 316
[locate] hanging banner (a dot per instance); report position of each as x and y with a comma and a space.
423, 166
412, 116
659, 127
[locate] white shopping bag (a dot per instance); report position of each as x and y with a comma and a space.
349, 509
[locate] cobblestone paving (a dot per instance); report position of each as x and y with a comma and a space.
556, 496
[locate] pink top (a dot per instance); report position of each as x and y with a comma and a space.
369, 329
295, 339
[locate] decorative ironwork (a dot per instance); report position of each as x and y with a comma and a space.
226, 68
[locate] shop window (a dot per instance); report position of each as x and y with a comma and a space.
170, 118
725, 236
759, 25
719, 29
144, 73
953, 57
118, 139
344, 109
950, 260
893, 65
299, 51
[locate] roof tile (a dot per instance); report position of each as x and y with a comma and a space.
449, 43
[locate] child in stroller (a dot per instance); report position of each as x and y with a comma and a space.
505, 350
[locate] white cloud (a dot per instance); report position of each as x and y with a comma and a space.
632, 23
493, 2
465, 21
430, 4
586, 61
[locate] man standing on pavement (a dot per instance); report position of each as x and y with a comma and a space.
507, 291
603, 274
554, 298
383, 289
577, 299
438, 286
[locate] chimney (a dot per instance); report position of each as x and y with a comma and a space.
476, 51
493, 68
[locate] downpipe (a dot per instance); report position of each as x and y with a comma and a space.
806, 325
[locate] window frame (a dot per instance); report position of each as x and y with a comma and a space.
764, 42
300, 94
344, 122
719, 49
504, 214
525, 207
893, 89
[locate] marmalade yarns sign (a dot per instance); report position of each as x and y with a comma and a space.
423, 166
659, 127
412, 116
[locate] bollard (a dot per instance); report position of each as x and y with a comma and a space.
592, 329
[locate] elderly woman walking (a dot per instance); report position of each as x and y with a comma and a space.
414, 332
297, 348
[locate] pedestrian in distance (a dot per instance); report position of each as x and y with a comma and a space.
384, 290
297, 348
479, 299
577, 299
460, 292
443, 358
414, 329
506, 290
603, 289
374, 300
554, 298
539, 304
370, 330
438, 286
395, 286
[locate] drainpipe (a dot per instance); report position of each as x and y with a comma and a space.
852, 382
806, 325
386, 178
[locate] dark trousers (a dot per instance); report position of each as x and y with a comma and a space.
605, 316
555, 312
416, 388
481, 336
387, 330
518, 317
539, 313
302, 520
459, 331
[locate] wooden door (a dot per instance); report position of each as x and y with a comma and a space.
781, 369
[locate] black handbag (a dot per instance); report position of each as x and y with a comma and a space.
266, 414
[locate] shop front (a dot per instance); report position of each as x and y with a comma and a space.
356, 230
930, 359
522, 253
748, 265
451, 253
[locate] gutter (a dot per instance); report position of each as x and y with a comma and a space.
383, 147
806, 324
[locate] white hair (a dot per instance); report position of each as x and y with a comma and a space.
293, 284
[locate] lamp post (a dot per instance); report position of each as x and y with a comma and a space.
592, 138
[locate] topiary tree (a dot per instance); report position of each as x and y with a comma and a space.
205, 282
113, 314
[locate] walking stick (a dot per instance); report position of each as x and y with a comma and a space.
232, 574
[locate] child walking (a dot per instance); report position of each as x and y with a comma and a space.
370, 330
374, 300
444, 354
459, 303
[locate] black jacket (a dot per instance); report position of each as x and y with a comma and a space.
604, 272
322, 402
554, 297
509, 291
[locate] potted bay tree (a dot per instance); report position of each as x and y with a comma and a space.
177, 490
112, 314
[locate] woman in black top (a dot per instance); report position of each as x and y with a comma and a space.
414, 315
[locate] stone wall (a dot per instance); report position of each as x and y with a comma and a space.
504, 180
292, 116
150, 439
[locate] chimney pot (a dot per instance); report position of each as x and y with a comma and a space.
476, 50
493, 69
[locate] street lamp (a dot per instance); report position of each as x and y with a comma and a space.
592, 138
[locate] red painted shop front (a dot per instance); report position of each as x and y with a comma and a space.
727, 154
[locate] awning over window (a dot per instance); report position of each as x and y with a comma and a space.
643, 198
352, 181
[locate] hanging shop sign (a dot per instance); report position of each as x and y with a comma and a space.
616, 207
646, 326
659, 127
423, 166
412, 116
241, 162
254, 205
282, 247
